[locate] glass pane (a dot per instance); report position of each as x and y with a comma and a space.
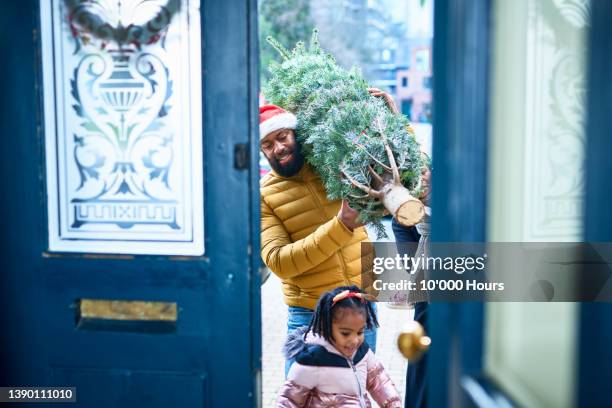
122, 96
536, 184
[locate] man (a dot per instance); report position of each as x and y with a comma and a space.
312, 244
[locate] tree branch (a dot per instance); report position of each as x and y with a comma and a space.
394, 169
384, 166
375, 175
392, 163
370, 191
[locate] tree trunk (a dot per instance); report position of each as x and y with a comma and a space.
406, 209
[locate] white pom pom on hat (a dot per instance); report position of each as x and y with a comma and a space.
273, 118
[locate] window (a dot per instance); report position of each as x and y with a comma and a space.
422, 60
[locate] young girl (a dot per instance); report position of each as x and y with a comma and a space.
333, 366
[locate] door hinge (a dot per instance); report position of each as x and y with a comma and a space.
241, 156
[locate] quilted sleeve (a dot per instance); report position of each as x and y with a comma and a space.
293, 395
290, 259
380, 386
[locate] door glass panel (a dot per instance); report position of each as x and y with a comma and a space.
122, 100
536, 184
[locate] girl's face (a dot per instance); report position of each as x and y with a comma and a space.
348, 326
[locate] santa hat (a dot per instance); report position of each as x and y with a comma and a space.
273, 118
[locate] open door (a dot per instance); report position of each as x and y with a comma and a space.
130, 207
520, 152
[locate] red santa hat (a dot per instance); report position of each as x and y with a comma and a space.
273, 118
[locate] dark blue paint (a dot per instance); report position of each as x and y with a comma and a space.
228, 109
461, 47
20, 281
213, 355
254, 218
595, 329
460, 114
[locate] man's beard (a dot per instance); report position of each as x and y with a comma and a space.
290, 169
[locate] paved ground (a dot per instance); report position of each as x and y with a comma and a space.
274, 318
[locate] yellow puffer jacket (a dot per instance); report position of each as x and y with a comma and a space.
302, 240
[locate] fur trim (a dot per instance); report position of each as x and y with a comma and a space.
295, 343
281, 121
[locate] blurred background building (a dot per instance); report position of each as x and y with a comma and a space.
389, 40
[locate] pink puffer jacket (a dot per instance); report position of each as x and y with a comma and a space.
322, 377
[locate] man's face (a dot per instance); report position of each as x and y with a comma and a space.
283, 152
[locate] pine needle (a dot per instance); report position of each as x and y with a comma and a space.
285, 54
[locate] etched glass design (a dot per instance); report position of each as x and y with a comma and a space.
122, 95
536, 188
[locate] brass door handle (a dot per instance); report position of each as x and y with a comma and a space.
412, 341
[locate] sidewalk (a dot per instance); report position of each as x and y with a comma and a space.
274, 327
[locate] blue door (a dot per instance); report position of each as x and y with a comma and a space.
518, 354
130, 213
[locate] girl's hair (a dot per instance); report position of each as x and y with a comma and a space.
321, 322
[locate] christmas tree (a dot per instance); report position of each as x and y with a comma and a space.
363, 151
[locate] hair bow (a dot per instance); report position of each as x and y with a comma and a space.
348, 294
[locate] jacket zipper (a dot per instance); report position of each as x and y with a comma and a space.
361, 400
340, 260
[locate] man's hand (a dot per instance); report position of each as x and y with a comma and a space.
388, 99
348, 216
